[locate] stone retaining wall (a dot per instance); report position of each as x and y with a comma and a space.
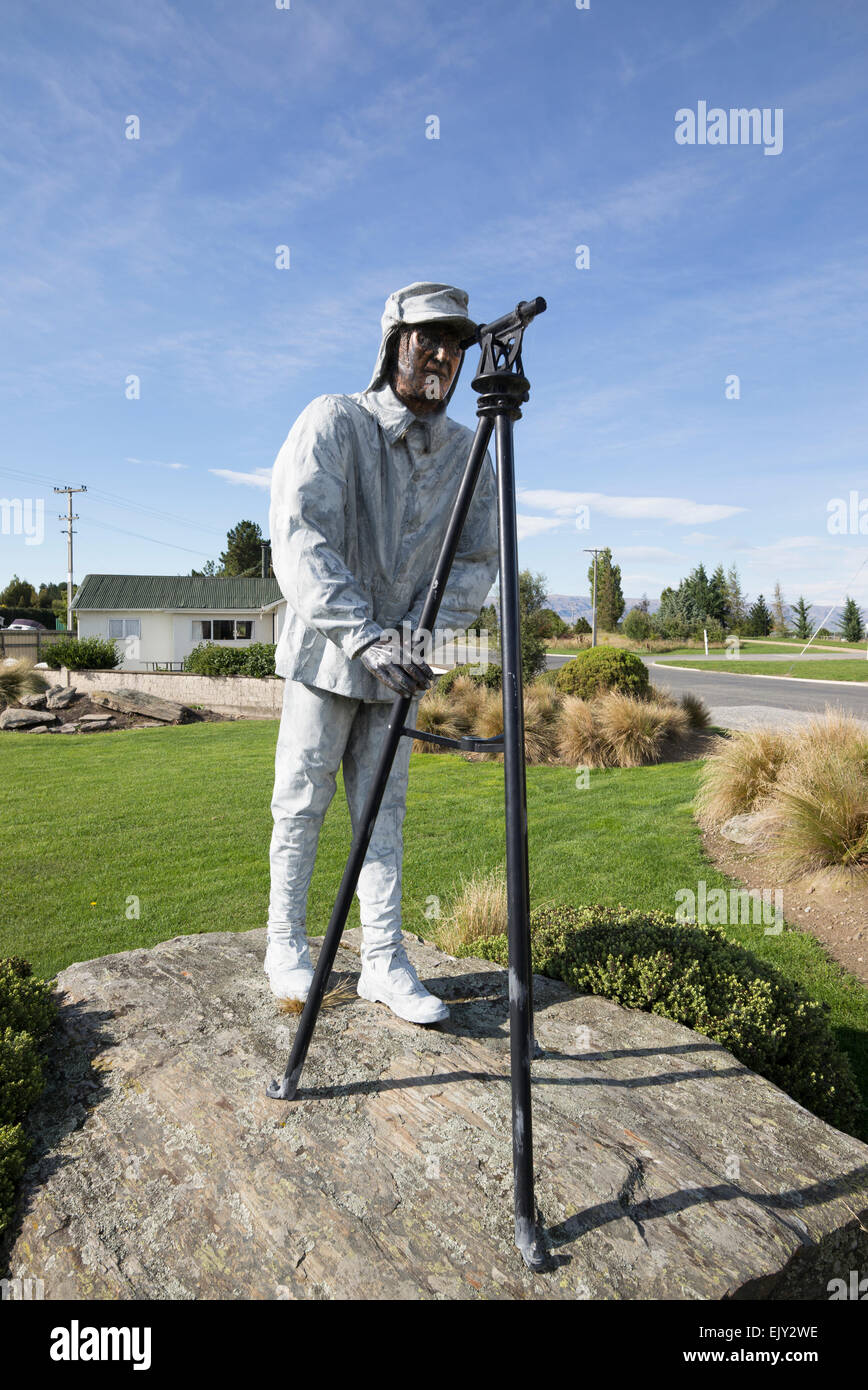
253, 697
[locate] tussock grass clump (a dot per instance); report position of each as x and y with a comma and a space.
636, 730
696, 710
581, 741
437, 714
740, 776
343, 992
540, 730
467, 697
819, 809
17, 679
478, 911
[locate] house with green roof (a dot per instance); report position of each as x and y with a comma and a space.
157, 619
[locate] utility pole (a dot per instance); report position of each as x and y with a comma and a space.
595, 553
69, 519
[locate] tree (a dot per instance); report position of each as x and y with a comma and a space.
759, 619
802, 620
487, 622
532, 589
718, 597
243, 553
549, 623
49, 594
18, 594
735, 599
609, 596
637, 625
581, 626
779, 611
851, 626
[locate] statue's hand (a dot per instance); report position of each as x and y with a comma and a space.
406, 676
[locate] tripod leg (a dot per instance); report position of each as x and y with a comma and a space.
518, 895
287, 1087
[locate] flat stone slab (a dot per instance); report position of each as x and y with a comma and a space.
139, 702
61, 697
26, 719
161, 1170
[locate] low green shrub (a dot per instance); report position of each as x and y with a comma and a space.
260, 659
13, 1156
20, 1073
210, 659
694, 975
603, 668
27, 1011
26, 1003
82, 654
491, 678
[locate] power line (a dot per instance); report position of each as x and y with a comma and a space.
107, 526
116, 500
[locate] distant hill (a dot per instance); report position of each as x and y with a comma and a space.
572, 606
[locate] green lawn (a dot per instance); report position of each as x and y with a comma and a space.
800, 670
757, 648
180, 819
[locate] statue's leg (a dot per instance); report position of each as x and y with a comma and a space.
314, 728
387, 975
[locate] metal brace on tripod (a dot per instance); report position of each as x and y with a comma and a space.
502, 389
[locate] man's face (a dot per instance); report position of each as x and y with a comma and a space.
427, 359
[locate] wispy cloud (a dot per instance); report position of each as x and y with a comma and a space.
679, 511
261, 478
535, 525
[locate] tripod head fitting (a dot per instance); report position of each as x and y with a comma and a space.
500, 381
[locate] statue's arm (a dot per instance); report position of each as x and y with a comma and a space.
308, 493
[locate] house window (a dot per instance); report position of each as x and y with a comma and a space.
222, 629
125, 627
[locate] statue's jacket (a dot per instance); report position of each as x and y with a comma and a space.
361, 495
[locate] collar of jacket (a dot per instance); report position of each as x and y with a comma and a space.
396, 419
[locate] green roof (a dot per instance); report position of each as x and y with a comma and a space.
167, 591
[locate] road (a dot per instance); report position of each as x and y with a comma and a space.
740, 702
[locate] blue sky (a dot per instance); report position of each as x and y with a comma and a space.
261, 127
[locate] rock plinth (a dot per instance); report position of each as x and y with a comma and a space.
161, 1170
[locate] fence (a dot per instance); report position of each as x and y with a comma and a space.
29, 646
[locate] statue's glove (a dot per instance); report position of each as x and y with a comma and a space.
406, 676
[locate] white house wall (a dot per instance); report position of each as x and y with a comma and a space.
168, 636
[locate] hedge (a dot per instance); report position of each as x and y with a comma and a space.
27, 1011
83, 654
210, 659
46, 616
696, 976
603, 668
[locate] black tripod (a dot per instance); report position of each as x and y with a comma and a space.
502, 389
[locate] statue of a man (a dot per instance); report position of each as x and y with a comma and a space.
361, 495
